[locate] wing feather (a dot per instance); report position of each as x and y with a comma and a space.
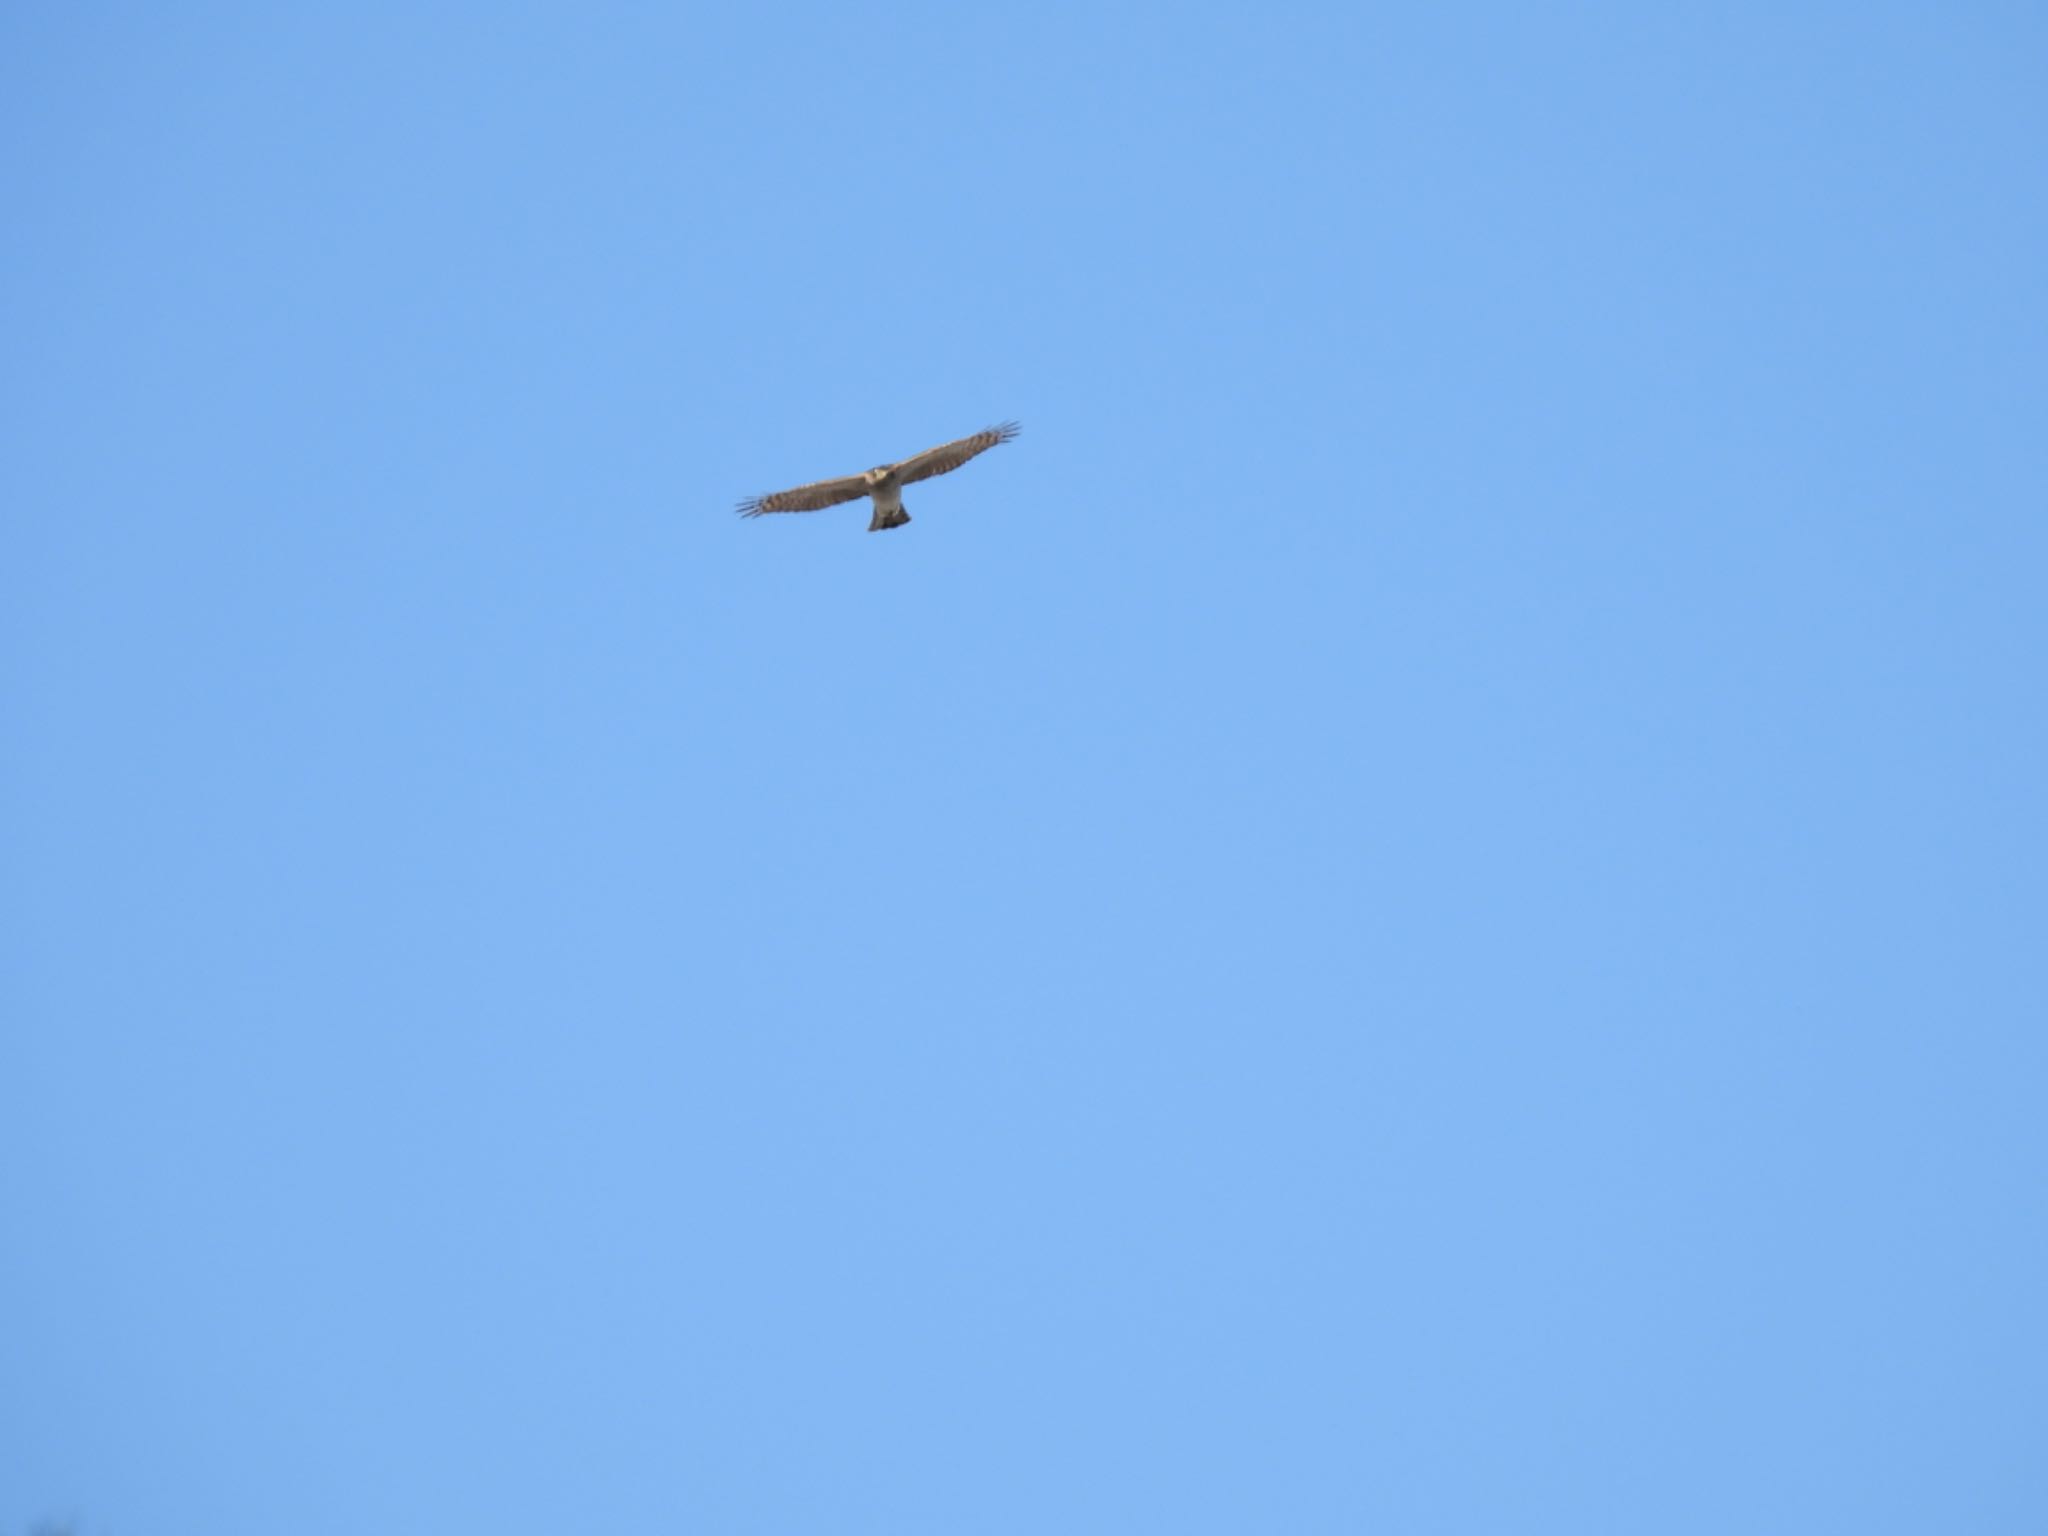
814, 497
950, 456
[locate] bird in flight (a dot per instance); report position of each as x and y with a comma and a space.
884, 482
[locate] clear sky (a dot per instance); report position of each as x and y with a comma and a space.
1424, 910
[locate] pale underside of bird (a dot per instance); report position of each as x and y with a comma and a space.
884, 482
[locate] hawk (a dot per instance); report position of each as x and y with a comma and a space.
884, 482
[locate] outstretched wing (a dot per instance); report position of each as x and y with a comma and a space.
814, 497
937, 461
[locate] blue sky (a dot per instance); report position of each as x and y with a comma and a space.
1421, 911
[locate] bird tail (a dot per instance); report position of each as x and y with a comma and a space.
895, 517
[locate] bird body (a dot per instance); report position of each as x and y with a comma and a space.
886, 487
883, 484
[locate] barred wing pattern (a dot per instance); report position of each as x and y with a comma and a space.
950, 456
814, 497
